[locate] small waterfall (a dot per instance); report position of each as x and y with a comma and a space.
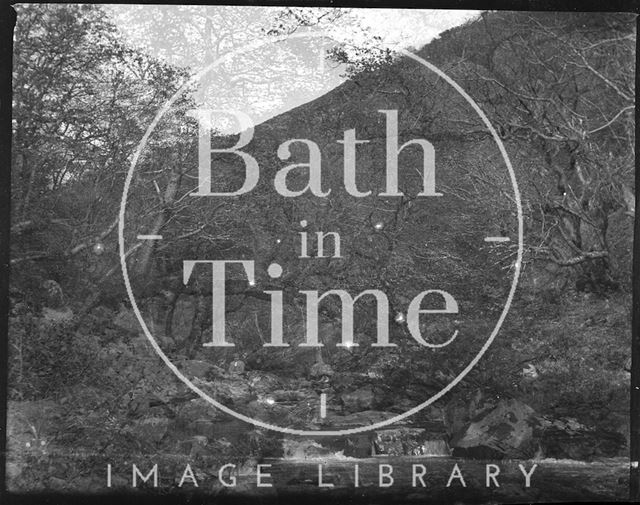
436, 447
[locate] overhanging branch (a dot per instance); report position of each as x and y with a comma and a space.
580, 259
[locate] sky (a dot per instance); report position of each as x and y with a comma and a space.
412, 28
274, 78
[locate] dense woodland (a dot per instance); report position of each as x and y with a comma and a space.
559, 90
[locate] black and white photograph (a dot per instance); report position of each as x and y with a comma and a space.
312, 253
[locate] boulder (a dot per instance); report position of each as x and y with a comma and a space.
504, 431
233, 431
566, 438
258, 409
196, 368
348, 381
456, 416
137, 402
192, 411
358, 445
263, 383
233, 390
320, 369
402, 405
359, 400
459, 412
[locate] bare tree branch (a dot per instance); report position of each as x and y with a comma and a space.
580, 259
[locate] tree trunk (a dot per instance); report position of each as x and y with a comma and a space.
168, 199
